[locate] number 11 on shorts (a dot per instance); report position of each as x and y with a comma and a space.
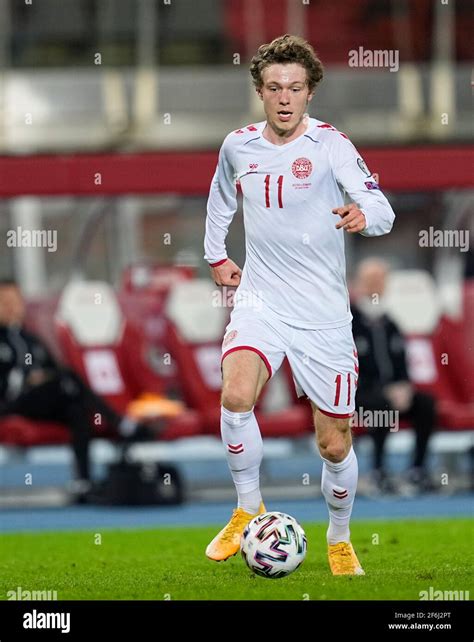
338, 382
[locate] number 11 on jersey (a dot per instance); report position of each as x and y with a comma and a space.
267, 191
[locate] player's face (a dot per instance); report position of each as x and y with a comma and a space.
285, 96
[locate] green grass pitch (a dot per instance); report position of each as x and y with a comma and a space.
401, 558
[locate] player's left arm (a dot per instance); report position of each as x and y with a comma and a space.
370, 214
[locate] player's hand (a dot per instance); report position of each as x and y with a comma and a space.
228, 273
353, 219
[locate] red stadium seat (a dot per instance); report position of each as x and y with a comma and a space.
457, 340
19, 431
144, 291
438, 356
453, 345
146, 276
107, 351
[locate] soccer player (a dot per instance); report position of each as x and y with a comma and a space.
292, 298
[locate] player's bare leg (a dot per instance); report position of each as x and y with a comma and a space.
244, 375
339, 484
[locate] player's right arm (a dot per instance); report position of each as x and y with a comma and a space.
221, 207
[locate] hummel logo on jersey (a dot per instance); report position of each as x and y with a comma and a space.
236, 449
253, 165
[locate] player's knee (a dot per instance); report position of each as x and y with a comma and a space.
336, 446
335, 451
238, 397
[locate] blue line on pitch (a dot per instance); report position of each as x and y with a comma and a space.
199, 514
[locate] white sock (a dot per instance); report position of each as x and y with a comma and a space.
339, 485
244, 450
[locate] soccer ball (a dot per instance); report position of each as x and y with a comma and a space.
273, 545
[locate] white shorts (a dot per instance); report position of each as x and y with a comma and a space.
323, 362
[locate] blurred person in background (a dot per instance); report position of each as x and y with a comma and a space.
34, 386
384, 383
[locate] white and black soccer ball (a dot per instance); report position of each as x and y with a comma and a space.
273, 545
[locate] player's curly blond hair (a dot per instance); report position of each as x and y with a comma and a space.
287, 49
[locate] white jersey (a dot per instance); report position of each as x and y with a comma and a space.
295, 262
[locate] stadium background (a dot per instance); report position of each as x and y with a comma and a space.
111, 114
